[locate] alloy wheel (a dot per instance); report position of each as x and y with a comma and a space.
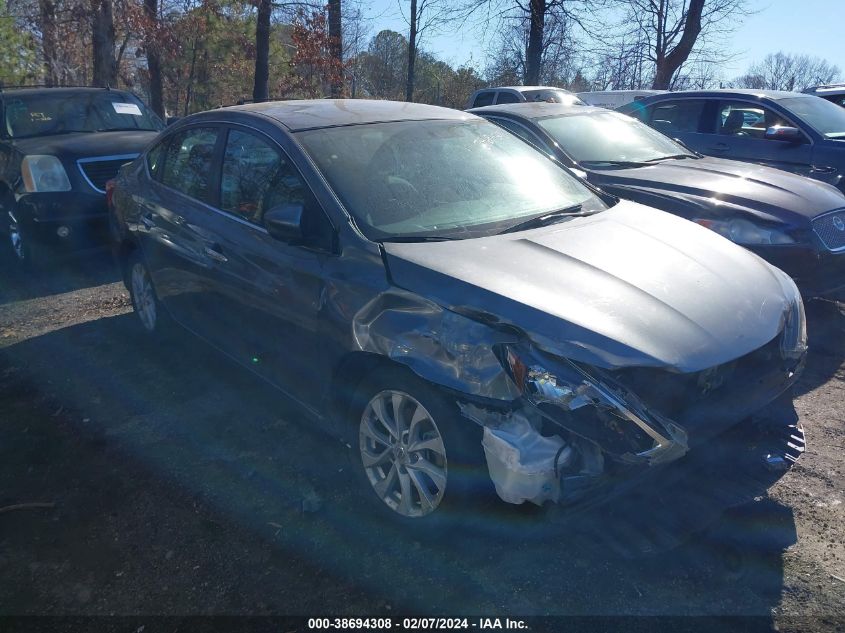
143, 297
403, 453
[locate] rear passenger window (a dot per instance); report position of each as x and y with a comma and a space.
671, 117
507, 97
484, 99
188, 162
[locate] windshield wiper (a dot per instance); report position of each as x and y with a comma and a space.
127, 129
545, 219
53, 133
670, 157
400, 239
611, 163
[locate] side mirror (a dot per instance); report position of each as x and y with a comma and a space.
172, 119
784, 133
284, 222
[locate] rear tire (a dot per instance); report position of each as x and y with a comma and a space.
145, 302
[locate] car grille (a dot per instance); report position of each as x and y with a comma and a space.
827, 227
98, 171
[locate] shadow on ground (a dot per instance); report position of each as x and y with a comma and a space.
72, 272
184, 485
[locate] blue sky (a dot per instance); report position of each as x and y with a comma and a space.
811, 27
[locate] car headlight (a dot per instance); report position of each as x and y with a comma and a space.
793, 343
568, 388
43, 173
746, 232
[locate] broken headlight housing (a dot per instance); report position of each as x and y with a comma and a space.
793, 343
593, 408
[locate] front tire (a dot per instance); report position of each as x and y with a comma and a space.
26, 254
417, 460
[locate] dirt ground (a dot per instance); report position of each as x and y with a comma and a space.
179, 484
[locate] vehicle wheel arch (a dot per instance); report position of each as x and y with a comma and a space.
351, 373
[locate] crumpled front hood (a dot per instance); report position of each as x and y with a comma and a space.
718, 183
631, 286
85, 145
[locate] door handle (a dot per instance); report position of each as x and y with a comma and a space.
216, 253
719, 147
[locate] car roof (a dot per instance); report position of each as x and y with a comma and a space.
309, 114
63, 90
523, 88
538, 110
721, 93
826, 89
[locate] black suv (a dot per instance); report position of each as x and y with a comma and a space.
58, 148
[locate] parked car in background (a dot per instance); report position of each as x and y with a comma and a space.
520, 94
58, 148
834, 93
437, 293
788, 130
612, 99
788, 220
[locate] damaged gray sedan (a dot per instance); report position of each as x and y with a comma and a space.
440, 295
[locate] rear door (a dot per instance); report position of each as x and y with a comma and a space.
741, 129
171, 213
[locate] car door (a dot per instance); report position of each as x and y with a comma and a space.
741, 135
266, 295
171, 212
684, 119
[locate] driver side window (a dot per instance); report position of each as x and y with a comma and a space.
747, 120
256, 177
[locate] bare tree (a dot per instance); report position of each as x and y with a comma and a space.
336, 44
785, 71
536, 15
103, 43
261, 80
153, 56
664, 35
424, 16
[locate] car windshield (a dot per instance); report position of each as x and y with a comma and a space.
46, 113
826, 118
446, 179
609, 138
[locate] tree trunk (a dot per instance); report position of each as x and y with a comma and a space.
102, 40
667, 64
534, 53
49, 41
336, 47
261, 87
153, 59
412, 53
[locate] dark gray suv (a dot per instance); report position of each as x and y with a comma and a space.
788, 130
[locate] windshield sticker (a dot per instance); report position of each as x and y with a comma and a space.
126, 108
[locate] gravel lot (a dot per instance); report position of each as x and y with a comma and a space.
180, 485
